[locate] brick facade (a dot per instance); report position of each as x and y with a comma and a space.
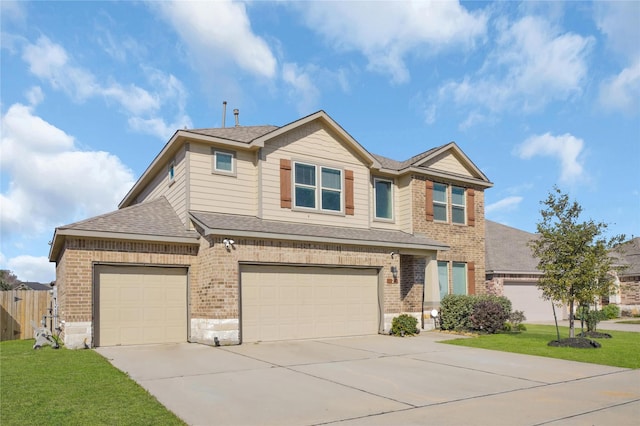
466, 242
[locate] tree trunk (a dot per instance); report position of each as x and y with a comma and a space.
572, 331
555, 318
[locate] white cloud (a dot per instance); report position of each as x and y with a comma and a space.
50, 62
387, 32
219, 32
566, 148
533, 63
302, 91
622, 91
32, 268
619, 22
51, 181
34, 95
505, 205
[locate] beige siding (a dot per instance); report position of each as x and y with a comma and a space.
223, 193
317, 145
175, 191
403, 208
448, 162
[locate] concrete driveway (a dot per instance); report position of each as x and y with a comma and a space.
377, 380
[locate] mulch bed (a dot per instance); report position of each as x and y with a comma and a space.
575, 342
595, 335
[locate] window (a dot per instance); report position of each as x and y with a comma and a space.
457, 205
307, 191
383, 199
440, 202
223, 162
171, 171
459, 278
443, 278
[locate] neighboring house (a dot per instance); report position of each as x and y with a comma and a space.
257, 233
30, 285
628, 256
511, 271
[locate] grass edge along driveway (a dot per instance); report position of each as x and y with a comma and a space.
619, 351
48, 386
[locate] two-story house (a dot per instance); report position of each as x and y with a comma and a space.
258, 233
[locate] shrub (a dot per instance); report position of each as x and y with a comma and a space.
517, 318
404, 325
488, 316
611, 311
456, 310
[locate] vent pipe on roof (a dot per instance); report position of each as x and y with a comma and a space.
236, 112
224, 112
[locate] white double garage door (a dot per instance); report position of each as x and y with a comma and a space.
527, 297
143, 305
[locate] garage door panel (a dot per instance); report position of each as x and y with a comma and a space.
527, 297
141, 305
284, 302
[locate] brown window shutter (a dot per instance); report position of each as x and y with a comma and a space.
285, 183
348, 192
471, 278
429, 200
471, 207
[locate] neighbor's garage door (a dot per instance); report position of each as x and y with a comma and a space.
527, 297
141, 305
289, 302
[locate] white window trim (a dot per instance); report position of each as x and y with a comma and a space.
464, 205
375, 200
318, 188
214, 155
445, 203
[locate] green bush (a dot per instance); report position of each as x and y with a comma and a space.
404, 325
488, 316
517, 318
456, 310
611, 311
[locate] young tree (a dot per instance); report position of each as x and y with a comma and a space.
573, 255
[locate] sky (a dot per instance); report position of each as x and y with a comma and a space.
537, 94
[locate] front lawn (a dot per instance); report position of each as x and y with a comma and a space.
71, 387
620, 351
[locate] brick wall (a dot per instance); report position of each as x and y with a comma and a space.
215, 274
74, 269
630, 291
466, 242
412, 278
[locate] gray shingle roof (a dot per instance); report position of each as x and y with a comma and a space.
153, 218
628, 254
388, 163
243, 134
506, 249
299, 231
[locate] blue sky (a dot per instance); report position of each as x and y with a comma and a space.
537, 94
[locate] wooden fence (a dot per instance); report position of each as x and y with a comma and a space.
19, 308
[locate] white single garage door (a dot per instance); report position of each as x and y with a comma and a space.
527, 297
141, 305
298, 302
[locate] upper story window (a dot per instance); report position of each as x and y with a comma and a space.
457, 205
309, 194
440, 202
171, 171
383, 191
224, 162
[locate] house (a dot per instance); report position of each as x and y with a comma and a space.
32, 285
511, 271
258, 233
627, 255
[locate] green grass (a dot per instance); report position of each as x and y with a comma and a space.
629, 322
71, 387
620, 351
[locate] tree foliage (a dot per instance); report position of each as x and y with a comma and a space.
8, 279
573, 255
